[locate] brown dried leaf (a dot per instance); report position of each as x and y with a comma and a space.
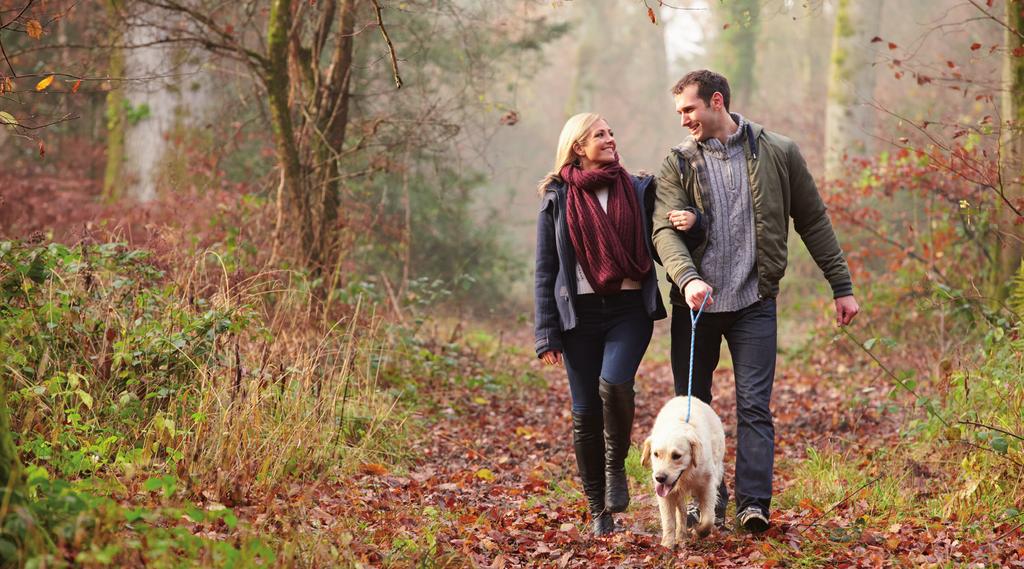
510, 118
34, 29
373, 468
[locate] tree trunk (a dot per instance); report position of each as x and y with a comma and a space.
150, 105
309, 194
113, 177
735, 51
156, 110
849, 118
592, 33
815, 61
332, 122
1009, 245
293, 198
617, 36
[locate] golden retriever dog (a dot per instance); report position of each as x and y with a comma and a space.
685, 459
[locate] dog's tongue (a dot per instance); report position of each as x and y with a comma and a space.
662, 489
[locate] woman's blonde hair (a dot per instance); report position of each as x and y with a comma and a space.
575, 130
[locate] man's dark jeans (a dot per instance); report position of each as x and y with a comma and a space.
610, 338
752, 336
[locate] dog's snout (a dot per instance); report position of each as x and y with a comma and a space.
661, 478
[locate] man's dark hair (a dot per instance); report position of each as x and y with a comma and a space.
707, 82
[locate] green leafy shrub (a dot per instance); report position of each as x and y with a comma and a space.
97, 344
196, 385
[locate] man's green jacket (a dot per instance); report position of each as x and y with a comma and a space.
781, 188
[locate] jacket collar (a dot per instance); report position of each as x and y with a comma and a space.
690, 150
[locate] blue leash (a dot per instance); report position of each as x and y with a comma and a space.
693, 333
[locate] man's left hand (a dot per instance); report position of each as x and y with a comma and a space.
846, 309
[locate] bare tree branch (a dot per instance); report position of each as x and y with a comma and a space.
391, 47
4, 26
667, 5
4, 52
991, 427
227, 43
982, 180
18, 17
65, 118
996, 20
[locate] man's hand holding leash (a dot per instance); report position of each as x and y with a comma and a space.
694, 293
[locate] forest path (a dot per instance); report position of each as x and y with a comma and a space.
495, 485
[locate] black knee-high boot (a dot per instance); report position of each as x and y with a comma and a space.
588, 441
619, 407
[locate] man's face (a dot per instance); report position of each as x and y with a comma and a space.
696, 115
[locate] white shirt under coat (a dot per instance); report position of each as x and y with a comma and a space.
582, 284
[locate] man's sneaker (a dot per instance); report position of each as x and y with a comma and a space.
693, 516
752, 519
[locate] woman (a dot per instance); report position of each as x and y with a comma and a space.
596, 300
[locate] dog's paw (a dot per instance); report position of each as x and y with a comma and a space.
668, 542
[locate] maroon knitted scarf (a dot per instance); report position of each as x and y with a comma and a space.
609, 246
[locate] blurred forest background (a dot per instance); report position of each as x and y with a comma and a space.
248, 244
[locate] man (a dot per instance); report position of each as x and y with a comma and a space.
747, 182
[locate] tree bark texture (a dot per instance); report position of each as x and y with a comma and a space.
1011, 167
310, 120
158, 114
849, 117
332, 112
113, 177
294, 197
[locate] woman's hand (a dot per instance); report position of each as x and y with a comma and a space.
552, 358
681, 219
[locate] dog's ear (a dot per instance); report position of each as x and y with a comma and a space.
645, 455
695, 450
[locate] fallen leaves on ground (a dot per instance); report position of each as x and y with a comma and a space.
495, 485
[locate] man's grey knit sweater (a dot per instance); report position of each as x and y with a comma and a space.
729, 259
